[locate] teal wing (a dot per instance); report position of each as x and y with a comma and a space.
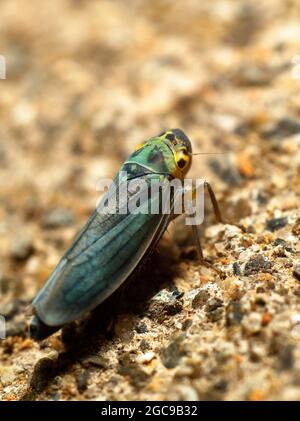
104, 254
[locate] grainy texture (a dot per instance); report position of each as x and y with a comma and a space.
86, 82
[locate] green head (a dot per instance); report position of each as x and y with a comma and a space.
170, 152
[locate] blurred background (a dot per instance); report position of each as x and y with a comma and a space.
88, 80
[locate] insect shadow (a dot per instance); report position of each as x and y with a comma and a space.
86, 337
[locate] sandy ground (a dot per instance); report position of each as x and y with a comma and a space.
86, 82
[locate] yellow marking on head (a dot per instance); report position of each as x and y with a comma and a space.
183, 161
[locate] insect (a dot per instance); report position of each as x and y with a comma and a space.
111, 246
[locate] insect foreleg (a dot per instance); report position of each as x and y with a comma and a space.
192, 213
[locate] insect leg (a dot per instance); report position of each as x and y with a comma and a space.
214, 201
188, 206
195, 232
178, 197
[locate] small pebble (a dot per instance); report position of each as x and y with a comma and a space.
215, 315
236, 269
200, 298
172, 354
284, 244
15, 328
141, 328
234, 314
11, 308
252, 323
214, 309
136, 376
276, 223
252, 74
285, 127
82, 380
296, 228
286, 357
257, 264
7, 375
146, 358
257, 352
213, 304
296, 271
226, 172
21, 248
221, 385
164, 304
226, 352
144, 345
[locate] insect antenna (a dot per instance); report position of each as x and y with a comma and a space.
208, 153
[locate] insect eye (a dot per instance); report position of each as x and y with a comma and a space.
170, 137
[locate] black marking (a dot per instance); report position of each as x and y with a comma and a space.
156, 156
181, 163
182, 138
134, 170
170, 136
180, 135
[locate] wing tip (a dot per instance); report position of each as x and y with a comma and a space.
38, 330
